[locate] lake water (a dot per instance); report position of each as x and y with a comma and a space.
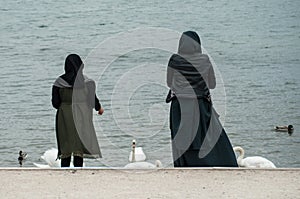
255, 46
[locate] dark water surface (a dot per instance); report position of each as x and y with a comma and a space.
254, 44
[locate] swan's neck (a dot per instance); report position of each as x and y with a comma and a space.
133, 153
241, 152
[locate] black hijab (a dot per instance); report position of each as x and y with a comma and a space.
73, 70
190, 72
189, 43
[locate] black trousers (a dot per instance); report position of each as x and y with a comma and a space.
78, 161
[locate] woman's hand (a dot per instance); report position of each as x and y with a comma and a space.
101, 110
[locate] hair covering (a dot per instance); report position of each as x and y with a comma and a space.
190, 72
189, 43
73, 70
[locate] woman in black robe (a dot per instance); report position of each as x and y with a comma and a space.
198, 138
73, 95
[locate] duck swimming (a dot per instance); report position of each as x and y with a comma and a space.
289, 129
22, 157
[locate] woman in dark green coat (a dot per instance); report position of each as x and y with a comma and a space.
198, 138
73, 95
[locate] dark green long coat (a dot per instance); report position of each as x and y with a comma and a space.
75, 131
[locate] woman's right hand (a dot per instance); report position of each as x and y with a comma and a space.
101, 110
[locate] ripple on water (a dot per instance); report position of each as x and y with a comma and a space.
260, 73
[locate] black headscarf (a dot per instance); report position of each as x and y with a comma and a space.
189, 43
190, 72
73, 70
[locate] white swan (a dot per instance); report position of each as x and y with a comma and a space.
143, 165
252, 162
136, 154
50, 157
137, 159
